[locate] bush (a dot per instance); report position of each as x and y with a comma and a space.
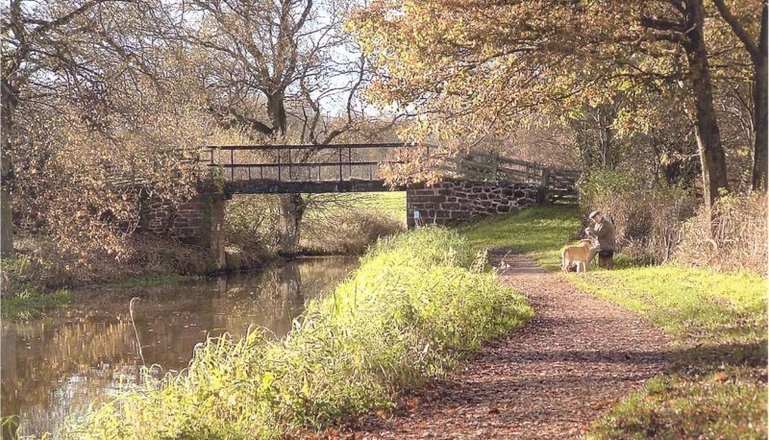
647, 217
250, 225
738, 240
21, 274
41, 266
347, 231
410, 311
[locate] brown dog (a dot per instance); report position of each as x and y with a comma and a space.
576, 254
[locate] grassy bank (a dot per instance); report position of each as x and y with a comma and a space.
417, 304
347, 223
34, 301
538, 231
717, 322
31, 304
391, 203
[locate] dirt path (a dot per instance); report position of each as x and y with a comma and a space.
548, 381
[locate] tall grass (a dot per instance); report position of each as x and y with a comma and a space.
732, 237
414, 307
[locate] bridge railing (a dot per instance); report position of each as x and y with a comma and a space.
296, 163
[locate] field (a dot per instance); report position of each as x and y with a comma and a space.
391, 203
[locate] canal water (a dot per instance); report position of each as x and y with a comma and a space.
56, 367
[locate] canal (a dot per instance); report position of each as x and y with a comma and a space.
55, 367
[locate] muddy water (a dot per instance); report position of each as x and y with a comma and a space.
56, 367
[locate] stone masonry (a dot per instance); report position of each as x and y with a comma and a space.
448, 202
199, 221
183, 222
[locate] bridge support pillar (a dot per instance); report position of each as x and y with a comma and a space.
212, 234
200, 221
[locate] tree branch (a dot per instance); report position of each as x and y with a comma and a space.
737, 28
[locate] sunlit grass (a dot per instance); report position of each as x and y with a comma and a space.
389, 203
538, 231
696, 306
717, 321
31, 303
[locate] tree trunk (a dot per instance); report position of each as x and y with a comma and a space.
291, 205
276, 110
291, 211
760, 71
712, 156
8, 100
605, 140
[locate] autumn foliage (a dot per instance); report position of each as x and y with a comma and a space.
473, 69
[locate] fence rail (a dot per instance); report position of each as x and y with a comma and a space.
299, 163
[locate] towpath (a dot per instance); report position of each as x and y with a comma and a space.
573, 362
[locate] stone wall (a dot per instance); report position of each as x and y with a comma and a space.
199, 221
448, 202
184, 222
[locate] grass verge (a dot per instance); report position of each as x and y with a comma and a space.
539, 231
30, 304
718, 323
418, 303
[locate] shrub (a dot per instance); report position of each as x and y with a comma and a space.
409, 312
41, 266
250, 224
647, 217
738, 240
21, 274
347, 231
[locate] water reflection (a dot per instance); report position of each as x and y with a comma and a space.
58, 366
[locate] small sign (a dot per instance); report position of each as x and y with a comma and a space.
416, 215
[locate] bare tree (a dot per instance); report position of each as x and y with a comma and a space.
91, 116
277, 70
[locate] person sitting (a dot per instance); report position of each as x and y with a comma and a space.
603, 230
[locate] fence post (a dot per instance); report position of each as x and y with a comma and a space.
545, 184
545, 177
232, 164
340, 162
